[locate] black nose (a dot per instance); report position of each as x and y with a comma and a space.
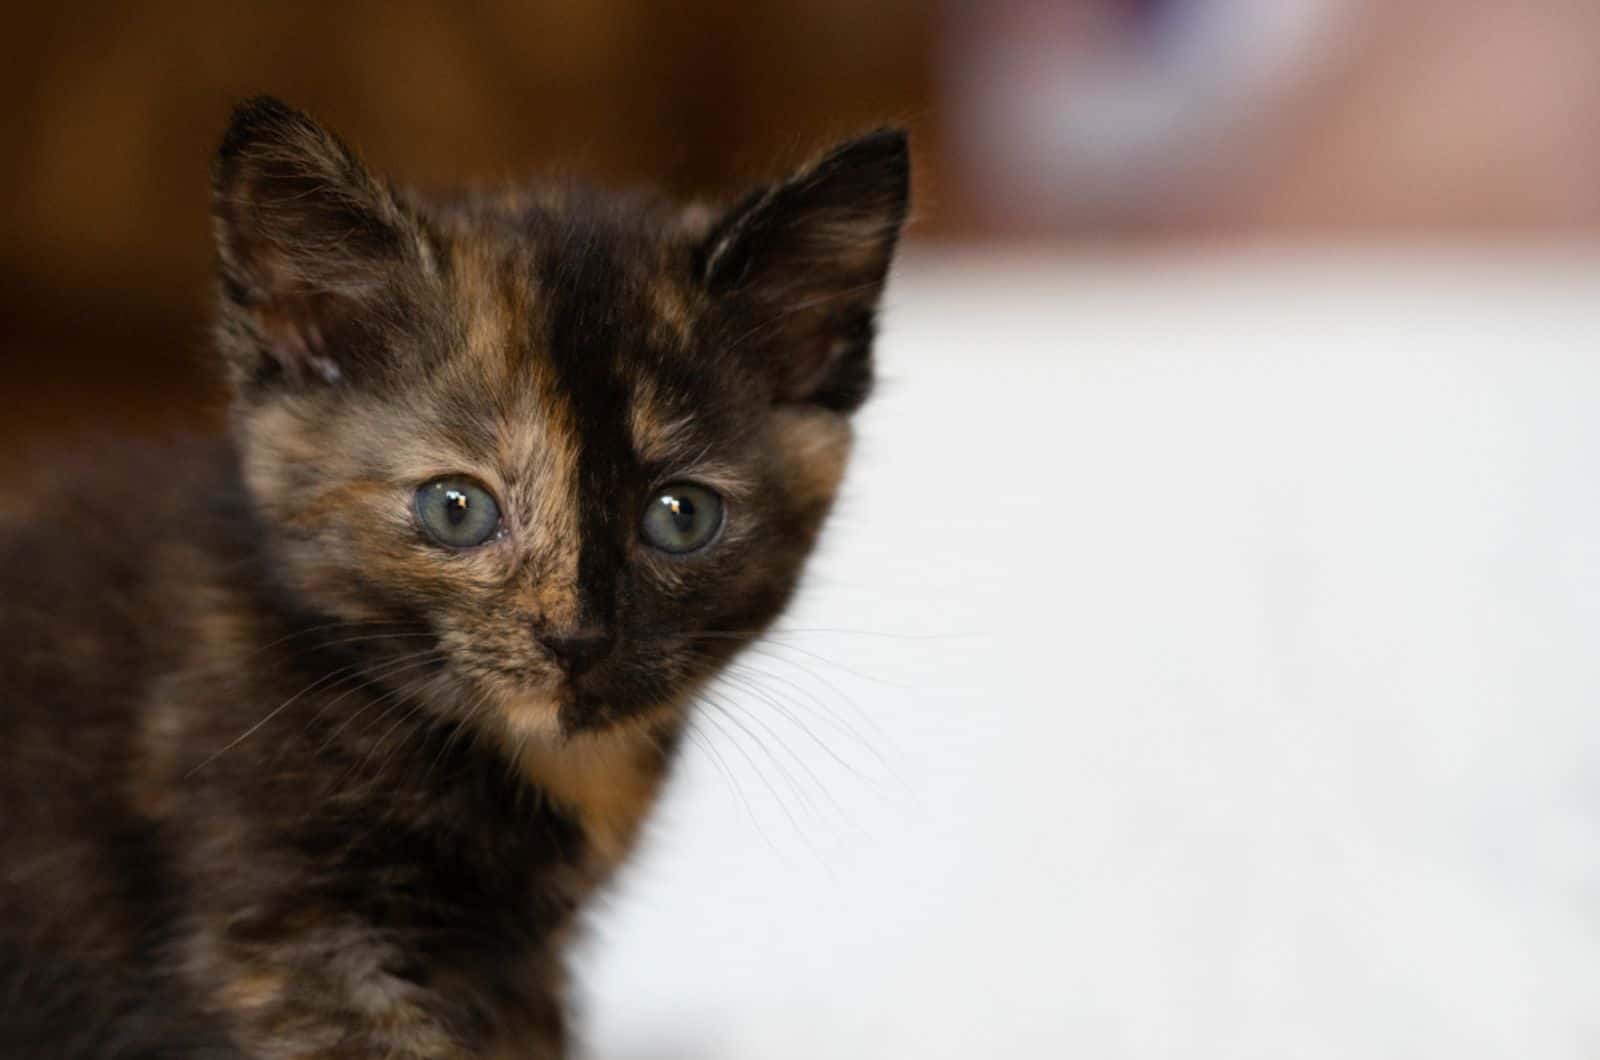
577, 651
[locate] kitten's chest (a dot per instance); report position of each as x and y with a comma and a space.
500, 854
606, 783
494, 917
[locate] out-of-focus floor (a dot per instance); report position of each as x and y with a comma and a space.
1210, 648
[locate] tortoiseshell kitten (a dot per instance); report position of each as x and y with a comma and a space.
313, 741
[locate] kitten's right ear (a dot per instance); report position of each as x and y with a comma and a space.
311, 250
801, 265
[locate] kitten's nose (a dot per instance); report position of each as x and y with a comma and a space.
578, 650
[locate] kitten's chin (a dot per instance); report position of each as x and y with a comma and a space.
532, 714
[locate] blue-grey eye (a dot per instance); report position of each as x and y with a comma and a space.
457, 512
682, 517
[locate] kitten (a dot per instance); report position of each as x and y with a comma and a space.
313, 741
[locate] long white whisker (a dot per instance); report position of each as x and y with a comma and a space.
837, 719
279, 709
714, 719
827, 792
408, 665
705, 745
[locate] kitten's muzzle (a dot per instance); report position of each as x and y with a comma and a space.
579, 650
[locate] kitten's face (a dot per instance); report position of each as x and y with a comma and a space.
581, 446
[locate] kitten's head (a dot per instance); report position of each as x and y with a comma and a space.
582, 443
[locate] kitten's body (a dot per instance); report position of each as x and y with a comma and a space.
283, 778
290, 877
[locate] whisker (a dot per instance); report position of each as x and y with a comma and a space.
726, 713
759, 640
888, 634
417, 705
779, 631
827, 792
837, 719
462, 726
401, 691
404, 696
702, 742
747, 682
693, 734
332, 625
744, 677
411, 630
280, 708
738, 746
404, 663
835, 716
728, 705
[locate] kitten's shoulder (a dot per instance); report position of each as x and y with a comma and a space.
105, 495
100, 546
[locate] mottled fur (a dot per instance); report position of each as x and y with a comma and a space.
282, 777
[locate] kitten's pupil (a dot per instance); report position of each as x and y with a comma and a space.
682, 510
456, 505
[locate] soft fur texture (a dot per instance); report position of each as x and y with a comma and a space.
283, 777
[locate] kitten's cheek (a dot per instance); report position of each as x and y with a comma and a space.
814, 446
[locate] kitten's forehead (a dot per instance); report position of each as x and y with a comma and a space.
579, 327
544, 287
494, 297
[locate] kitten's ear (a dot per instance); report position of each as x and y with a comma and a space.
801, 266
311, 250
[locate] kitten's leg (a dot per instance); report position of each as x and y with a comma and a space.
53, 1006
337, 989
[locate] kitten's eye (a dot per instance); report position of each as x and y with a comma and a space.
457, 512
682, 518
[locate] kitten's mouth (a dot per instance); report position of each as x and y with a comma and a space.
557, 705
566, 711
558, 714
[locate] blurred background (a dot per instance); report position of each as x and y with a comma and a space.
1046, 122
1245, 704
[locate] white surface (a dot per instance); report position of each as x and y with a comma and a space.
1243, 698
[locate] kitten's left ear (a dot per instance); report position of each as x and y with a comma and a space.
800, 267
314, 254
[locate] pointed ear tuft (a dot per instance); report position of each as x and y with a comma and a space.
800, 266
310, 248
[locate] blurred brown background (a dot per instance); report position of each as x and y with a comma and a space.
1073, 124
